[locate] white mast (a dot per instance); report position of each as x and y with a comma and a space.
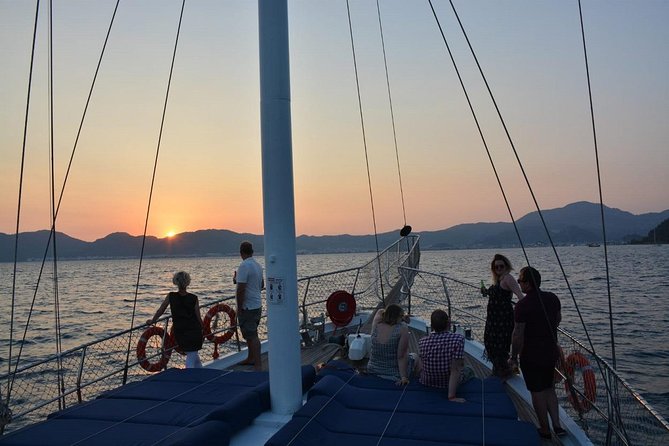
279, 208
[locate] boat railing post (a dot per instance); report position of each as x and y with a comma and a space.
448, 298
80, 373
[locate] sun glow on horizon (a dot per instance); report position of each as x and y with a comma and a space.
170, 233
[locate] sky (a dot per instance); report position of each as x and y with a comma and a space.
209, 167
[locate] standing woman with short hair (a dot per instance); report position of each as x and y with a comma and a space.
499, 320
186, 318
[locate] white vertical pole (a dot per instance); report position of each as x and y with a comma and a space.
279, 208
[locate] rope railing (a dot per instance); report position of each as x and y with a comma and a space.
637, 421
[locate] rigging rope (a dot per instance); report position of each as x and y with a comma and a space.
599, 182
392, 414
392, 114
153, 180
534, 199
320, 410
18, 211
615, 401
52, 193
62, 190
480, 130
364, 142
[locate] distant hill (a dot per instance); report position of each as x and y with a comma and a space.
576, 223
659, 234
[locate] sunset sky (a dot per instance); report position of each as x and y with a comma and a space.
209, 165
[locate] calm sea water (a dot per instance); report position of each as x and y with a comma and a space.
96, 298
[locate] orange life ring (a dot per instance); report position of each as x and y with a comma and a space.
576, 361
206, 322
141, 350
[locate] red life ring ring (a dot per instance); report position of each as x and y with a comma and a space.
141, 350
341, 308
576, 361
206, 322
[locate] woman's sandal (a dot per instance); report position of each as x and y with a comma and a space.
560, 432
544, 435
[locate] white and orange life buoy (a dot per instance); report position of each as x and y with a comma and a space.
576, 361
141, 350
206, 323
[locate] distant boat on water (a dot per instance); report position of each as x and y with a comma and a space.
593, 245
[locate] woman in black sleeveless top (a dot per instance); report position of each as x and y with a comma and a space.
499, 320
185, 317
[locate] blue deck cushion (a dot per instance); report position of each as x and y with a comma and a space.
138, 411
239, 411
249, 379
57, 432
497, 405
184, 392
348, 374
301, 432
183, 406
335, 417
360, 409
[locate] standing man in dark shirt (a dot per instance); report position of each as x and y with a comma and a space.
537, 317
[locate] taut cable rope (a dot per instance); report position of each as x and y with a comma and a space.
480, 130
153, 180
392, 113
482, 412
599, 183
18, 211
297, 434
531, 190
601, 210
62, 190
385, 428
364, 142
52, 193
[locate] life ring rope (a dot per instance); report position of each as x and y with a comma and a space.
224, 337
576, 361
165, 354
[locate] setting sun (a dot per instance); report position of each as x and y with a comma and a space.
170, 234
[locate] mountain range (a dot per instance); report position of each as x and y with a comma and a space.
576, 223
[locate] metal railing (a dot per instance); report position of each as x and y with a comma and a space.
39, 388
363, 282
621, 417
92, 368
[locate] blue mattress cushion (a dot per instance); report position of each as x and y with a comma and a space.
301, 432
349, 375
335, 417
497, 405
61, 432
